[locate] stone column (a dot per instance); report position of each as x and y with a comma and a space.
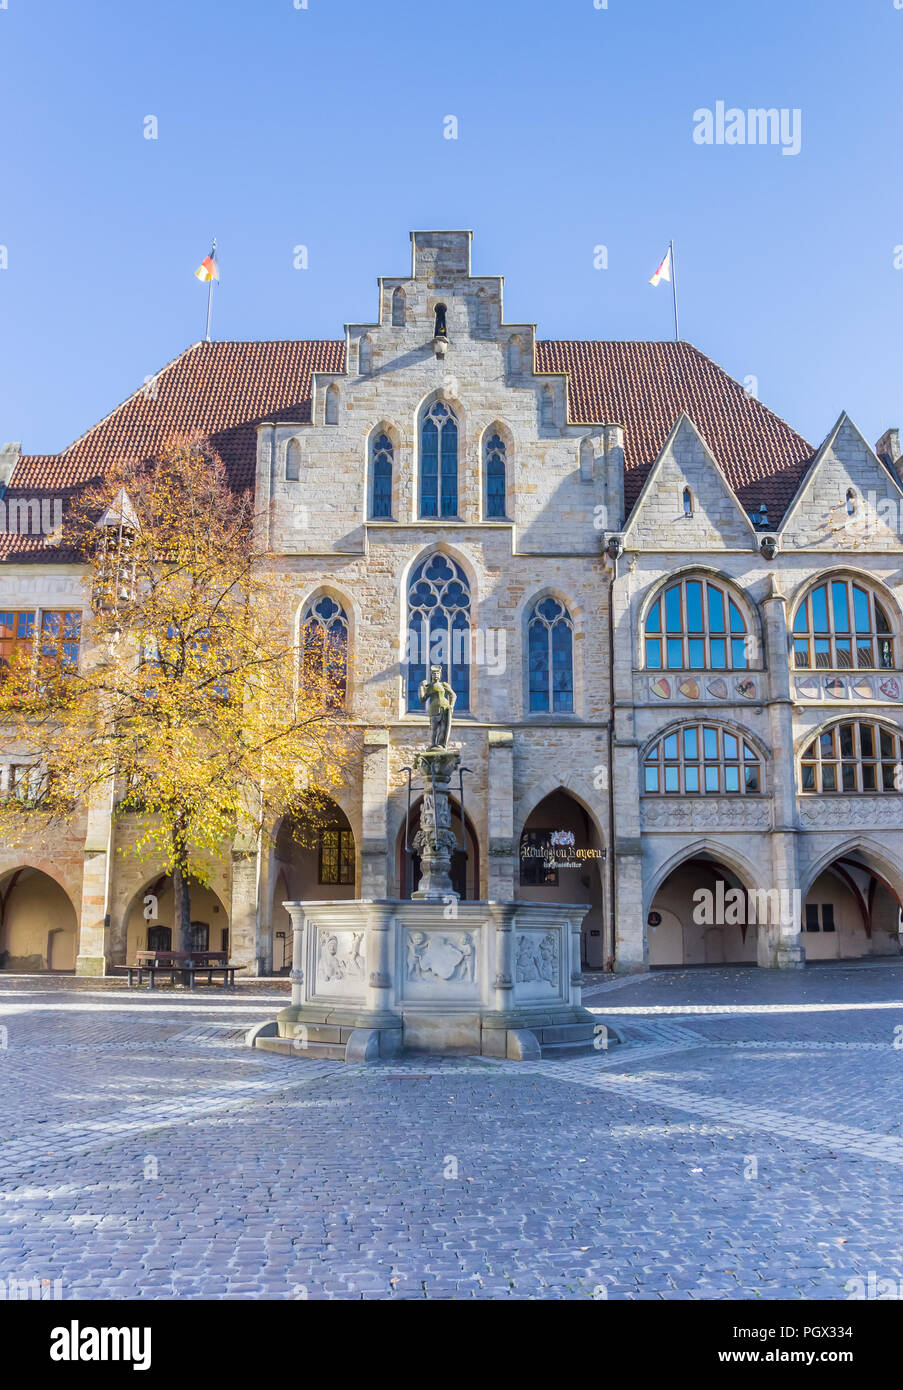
626, 835
380, 946
244, 947
781, 943
296, 974
501, 957
95, 944
503, 852
375, 848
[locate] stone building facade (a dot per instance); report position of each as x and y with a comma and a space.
673, 626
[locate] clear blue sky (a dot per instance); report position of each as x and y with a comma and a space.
323, 126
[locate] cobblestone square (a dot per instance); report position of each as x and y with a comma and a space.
744, 1142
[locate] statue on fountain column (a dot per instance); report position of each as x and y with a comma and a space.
439, 699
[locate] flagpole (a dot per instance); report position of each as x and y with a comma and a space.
210, 296
674, 291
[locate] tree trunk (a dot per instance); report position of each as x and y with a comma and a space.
181, 898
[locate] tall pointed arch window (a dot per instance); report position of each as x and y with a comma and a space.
438, 628
550, 651
292, 461
840, 625
324, 651
398, 307
496, 475
381, 459
695, 625
439, 462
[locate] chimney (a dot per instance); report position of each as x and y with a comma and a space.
9, 457
888, 448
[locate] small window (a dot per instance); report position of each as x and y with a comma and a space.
514, 357
61, 638
292, 461
399, 302
536, 870
482, 312
336, 855
547, 406
851, 502
812, 923
827, 917
495, 476
381, 461
688, 502
199, 936
332, 405
365, 356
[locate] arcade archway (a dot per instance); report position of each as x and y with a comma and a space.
562, 860
38, 924
465, 865
700, 916
313, 859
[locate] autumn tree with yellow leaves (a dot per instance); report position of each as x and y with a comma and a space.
190, 699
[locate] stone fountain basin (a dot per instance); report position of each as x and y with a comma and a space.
374, 978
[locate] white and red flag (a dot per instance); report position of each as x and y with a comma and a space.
664, 270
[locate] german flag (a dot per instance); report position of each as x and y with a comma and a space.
208, 269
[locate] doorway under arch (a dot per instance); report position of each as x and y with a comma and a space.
38, 924
465, 865
851, 910
150, 919
695, 920
562, 860
313, 859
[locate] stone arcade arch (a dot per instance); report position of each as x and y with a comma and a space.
683, 928
310, 862
851, 906
150, 918
465, 868
38, 923
580, 879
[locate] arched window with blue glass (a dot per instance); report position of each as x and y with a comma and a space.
550, 651
439, 462
496, 467
324, 651
696, 625
382, 455
439, 628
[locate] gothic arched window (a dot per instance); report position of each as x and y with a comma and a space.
439, 628
292, 461
695, 625
856, 756
398, 307
550, 649
332, 405
439, 462
700, 759
324, 651
840, 624
381, 458
496, 470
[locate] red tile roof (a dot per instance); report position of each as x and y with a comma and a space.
645, 386
226, 389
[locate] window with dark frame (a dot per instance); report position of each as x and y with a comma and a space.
336, 855
853, 756
535, 848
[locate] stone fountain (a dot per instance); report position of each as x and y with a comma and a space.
371, 979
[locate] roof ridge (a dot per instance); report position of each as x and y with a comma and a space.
131, 396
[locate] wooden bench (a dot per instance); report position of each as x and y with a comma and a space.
186, 964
